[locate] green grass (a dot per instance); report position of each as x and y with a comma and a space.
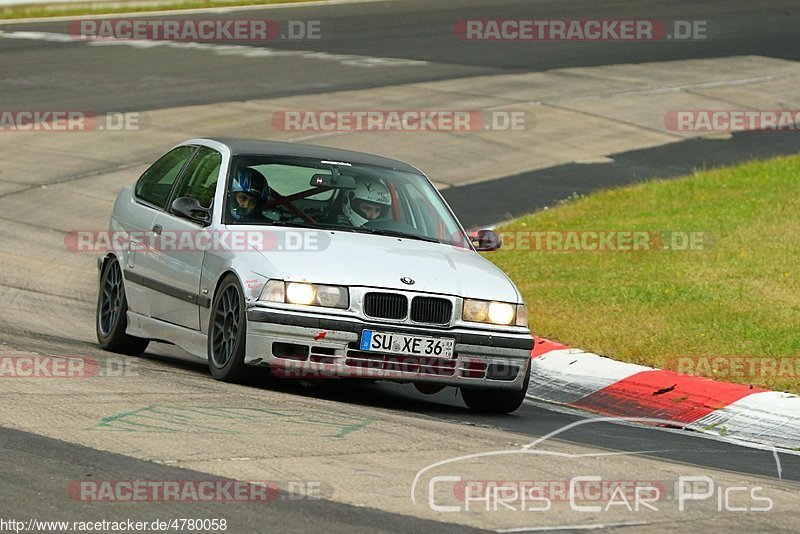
100, 8
740, 296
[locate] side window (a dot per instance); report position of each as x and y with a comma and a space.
156, 182
200, 179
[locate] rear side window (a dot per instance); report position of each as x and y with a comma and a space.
156, 183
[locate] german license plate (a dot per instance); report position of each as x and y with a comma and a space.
392, 342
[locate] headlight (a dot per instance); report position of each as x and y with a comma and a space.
476, 311
274, 291
484, 311
306, 294
501, 313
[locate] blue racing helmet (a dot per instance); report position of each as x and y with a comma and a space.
252, 183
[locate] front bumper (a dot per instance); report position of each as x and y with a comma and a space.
316, 346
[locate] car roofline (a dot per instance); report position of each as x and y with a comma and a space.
257, 147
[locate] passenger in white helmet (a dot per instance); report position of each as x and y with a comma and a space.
370, 200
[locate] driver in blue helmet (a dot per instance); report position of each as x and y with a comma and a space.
249, 193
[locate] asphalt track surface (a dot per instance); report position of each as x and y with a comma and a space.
39, 74
43, 75
39, 493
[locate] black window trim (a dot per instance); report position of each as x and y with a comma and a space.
182, 175
144, 202
226, 198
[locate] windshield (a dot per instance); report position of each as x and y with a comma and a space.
284, 191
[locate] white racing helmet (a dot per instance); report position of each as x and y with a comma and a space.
365, 191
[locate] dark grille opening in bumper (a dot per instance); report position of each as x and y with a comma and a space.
290, 351
502, 372
431, 310
385, 305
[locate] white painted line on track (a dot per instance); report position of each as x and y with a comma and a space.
592, 526
350, 60
676, 88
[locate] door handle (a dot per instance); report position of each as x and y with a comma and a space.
157, 229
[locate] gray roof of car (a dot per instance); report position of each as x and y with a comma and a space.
256, 147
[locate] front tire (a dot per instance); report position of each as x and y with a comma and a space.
226, 332
496, 402
112, 314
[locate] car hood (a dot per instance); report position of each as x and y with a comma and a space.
353, 259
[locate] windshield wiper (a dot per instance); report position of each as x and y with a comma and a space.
315, 226
298, 224
361, 230
395, 233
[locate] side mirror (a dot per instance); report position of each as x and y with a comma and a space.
485, 240
190, 208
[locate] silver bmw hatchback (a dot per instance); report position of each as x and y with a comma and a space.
315, 262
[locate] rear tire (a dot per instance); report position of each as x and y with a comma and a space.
226, 332
496, 401
112, 314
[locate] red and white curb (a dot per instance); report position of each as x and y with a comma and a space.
586, 381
